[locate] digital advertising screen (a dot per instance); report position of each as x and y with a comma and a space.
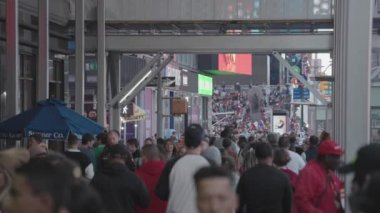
235, 63
205, 85
279, 124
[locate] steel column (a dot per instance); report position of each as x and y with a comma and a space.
43, 50
159, 105
352, 55
114, 70
102, 77
79, 56
12, 92
205, 121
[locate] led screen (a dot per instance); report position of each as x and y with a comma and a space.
204, 85
235, 63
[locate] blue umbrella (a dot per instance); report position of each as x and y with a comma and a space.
50, 118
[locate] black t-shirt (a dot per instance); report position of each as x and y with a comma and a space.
264, 189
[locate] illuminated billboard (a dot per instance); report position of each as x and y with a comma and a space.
205, 86
279, 124
235, 63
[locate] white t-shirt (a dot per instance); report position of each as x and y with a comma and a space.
296, 162
182, 198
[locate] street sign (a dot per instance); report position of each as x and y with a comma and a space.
297, 94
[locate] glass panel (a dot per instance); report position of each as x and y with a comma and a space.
375, 125
27, 81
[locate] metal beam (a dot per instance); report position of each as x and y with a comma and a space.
133, 91
102, 77
43, 50
79, 56
117, 98
12, 92
300, 78
211, 44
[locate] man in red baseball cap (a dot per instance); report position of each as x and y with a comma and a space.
318, 188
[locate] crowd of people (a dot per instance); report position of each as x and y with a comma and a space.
197, 173
249, 107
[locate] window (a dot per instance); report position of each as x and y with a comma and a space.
56, 71
27, 78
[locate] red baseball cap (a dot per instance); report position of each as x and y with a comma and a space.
329, 147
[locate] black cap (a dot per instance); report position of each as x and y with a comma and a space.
118, 150
194, 134
367, 161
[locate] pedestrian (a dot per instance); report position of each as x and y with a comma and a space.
176, 183
247, 157
213, 155
170, 151
264, 188
76, 155
366, 182
101, 142
133, 148
148, 141
229, 164
215, 190
324, 136
318, 188
272, 138
227, 145
120, 189
281, 158
113, 138
36, 146
87, 147
312, 151
10, 160
296, 163
51, 184
149, 173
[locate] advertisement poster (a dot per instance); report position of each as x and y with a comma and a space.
279, 124
235, 63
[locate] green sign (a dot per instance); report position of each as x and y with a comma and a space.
296, 69
205, 85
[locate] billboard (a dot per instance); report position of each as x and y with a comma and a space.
235, 63
205, 86
279, 124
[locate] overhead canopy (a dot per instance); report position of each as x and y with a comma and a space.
50, 118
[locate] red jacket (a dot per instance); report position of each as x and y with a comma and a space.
293, 181
150, 173
317, 191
